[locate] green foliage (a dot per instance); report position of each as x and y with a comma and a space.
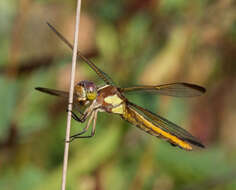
135, 42
9, 95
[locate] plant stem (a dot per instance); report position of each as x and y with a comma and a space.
66, 150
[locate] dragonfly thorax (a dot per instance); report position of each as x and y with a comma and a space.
86, 91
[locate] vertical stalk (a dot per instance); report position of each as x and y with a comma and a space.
66, 150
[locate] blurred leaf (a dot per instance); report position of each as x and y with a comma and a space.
107, 41
87, 159
167, 63
233, 31
7, 12
135, 34
195, 165
173, 6
35, 117
9, 95
29, 177
109, 10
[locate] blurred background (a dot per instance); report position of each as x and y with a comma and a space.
135, 42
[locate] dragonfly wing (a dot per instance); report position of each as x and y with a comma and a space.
105, 77
173, 89
60, 94
53, 92
159, 126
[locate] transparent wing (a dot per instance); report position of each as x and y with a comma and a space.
105, 77
173, 89
53, 92
62, 94
166, 126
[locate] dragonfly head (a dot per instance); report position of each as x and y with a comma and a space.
86, 90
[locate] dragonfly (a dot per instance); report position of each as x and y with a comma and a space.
111, 99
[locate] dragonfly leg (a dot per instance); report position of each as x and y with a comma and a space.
84, 130
76, 118
94, 117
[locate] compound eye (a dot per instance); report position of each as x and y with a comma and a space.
81, 83
80, 91
86, 90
